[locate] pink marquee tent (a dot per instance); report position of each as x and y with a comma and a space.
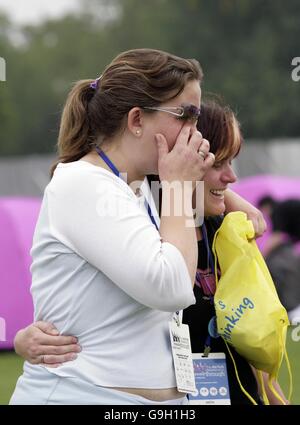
18, 217
17, 222
255, 187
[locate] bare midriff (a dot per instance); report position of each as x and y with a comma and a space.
153, 394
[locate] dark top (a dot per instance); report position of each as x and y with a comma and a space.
285, 218
197, 316
284, 266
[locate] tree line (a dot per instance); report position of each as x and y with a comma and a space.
245, 47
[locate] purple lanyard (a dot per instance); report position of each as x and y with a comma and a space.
210, 259
118, 174
207, 343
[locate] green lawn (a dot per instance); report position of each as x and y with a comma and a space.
11, 367
293, 350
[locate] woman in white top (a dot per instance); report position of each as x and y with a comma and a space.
103, 268
101, 271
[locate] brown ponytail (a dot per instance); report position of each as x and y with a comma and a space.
74, 132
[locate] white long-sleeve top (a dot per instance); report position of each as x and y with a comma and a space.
101, 272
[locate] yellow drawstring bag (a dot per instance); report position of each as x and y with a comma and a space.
249, 314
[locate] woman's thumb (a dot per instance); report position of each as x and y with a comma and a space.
162, 145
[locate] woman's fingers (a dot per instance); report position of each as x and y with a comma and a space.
162, 146
199, 147
50, 359
188, 160
209, 160
184, 136
46, 327
197, 142
47, 334
60, 340
258, 221
55, 356
59, 350
40, 344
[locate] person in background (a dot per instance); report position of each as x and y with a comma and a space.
218, 123
284, 215
280, 251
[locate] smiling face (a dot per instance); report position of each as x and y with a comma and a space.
220, 127
216, 181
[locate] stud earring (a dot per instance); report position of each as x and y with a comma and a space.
138, 132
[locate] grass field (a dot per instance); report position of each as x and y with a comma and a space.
11, 367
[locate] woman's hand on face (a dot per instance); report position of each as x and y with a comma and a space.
188, 160
40, 343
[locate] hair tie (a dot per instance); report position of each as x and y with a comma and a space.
94, 85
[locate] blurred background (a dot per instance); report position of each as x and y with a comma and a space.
250, 54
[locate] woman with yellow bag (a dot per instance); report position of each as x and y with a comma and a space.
219, 125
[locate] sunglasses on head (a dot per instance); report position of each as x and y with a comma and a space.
187, 112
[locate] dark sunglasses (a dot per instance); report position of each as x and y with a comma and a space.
187, 112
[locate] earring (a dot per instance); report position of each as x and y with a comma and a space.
138, 132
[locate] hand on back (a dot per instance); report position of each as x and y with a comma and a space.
40, 343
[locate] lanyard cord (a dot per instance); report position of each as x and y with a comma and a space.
108, 162
118, 174
207, 343
210, 259
150, 214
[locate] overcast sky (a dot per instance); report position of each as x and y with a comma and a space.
33, 11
